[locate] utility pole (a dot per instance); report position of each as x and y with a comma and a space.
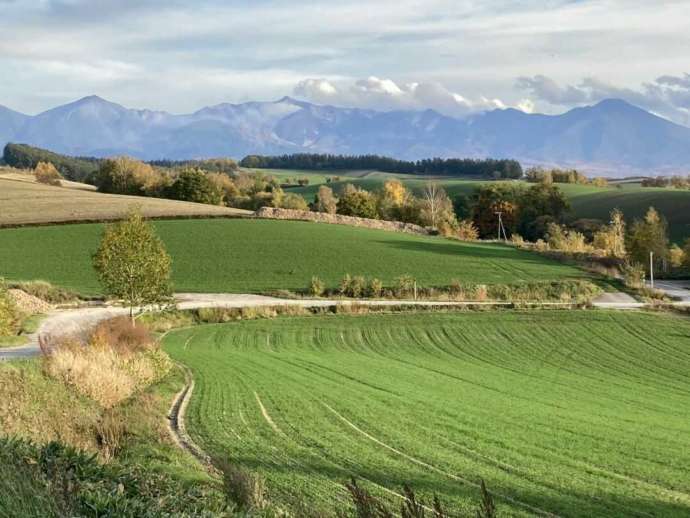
501, 228
500, 224
651, 269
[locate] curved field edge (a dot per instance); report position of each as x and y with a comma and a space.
575, 413
252, 256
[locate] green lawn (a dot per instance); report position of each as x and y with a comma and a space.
231, 255
574, 413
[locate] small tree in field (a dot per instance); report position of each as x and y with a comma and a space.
46, 173
132, 263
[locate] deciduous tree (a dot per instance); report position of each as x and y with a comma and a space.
132, 264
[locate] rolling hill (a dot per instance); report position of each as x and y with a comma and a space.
611, 137
25, 202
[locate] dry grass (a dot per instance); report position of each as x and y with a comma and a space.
26, 202
36, 407
118, 360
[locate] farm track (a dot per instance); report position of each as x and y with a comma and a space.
77, 321
421, 399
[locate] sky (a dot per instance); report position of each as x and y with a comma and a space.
454, 56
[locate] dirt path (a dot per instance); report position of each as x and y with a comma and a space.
78, 321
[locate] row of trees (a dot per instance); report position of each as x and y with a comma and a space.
486, 168
678, 182
23, 156
572, 176
524, 211
392, 202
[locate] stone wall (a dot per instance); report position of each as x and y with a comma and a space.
338, 219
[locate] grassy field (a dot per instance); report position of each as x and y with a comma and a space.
577, 413
587, 202
22, 201
236, 255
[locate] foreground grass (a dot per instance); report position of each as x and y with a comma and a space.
61, 470
220, 255
575, 413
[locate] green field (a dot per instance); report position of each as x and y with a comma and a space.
587, 202
232, 255
574, 413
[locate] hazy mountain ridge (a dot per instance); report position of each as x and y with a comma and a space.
612, 137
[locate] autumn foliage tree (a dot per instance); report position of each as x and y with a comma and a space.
648, 235
132, 264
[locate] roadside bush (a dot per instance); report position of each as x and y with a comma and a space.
46, 173
123, 336
633, 275
316, 287
345, 282
405, 286
375, 288
103, 373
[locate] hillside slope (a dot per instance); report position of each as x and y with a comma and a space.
25, 202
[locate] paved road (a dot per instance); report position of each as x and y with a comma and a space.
79, 321
677, 290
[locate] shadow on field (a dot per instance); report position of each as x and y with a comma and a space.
474, 250
547, 497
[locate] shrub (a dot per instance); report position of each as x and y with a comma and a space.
344, 288
294, 202
123, 335
375, 288
467, 231
357, 286
103, 374
316, 287
46, 173
325, 200
357, 202
405, 285
633, 275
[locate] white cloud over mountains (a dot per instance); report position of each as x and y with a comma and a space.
386, 94
455, 56
668, 96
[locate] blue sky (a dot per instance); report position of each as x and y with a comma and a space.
456, 56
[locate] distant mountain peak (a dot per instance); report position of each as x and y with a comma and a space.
611, 137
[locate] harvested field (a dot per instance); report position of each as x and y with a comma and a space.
24, 202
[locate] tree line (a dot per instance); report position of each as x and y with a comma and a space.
482, 168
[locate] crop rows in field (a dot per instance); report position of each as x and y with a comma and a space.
578, 413
221, 255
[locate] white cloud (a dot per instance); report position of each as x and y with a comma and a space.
452, 55
385, 94
668, 95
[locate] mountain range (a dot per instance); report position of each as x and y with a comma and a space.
612, 138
